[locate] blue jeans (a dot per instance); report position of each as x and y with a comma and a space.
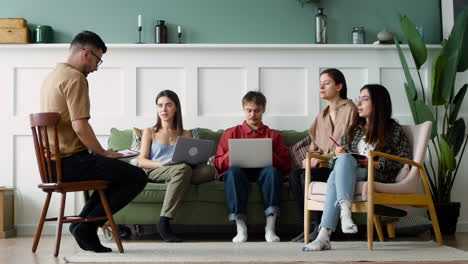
237, 187
340, 186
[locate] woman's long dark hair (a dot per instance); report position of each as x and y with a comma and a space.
380, 121
177, 121
338, 77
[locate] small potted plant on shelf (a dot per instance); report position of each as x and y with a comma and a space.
441, 106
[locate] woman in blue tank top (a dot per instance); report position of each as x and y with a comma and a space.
157, 147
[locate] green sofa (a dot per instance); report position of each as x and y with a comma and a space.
204, 206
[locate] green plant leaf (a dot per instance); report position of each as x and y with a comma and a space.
424, 114
458, 41
456, 104
415, 42
444, 73
448, 158
411, 104
456, 135
437, 69
411, 89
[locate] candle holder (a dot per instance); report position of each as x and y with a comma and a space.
179, 37
139, 35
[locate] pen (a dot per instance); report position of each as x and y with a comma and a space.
338, 145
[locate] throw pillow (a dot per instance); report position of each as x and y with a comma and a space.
136, 139
136, 143
298, 152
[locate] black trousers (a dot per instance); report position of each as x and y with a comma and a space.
126, 181
296, 184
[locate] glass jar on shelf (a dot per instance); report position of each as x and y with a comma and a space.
359, 35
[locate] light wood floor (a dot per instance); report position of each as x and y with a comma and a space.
18, 250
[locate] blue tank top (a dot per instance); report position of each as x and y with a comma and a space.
161, 152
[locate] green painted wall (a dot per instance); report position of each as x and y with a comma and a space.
224, 21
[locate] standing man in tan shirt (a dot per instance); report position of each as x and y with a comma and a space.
65, 90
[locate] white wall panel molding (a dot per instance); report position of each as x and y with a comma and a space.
210, 80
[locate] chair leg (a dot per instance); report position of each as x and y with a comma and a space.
435, 223
58, 235
370, 226
86, 196
45, 208
391, 229
378, 227
105, 204
306, 224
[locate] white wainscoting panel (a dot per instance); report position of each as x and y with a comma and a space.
220, 91
151, 81
210, 79
106, 91
28, 198
28, 82
286, 90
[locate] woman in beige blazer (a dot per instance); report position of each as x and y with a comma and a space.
333, 121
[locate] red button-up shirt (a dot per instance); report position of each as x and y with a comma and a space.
280, 150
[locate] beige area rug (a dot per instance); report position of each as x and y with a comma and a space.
271, 252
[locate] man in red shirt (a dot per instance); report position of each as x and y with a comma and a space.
237, 179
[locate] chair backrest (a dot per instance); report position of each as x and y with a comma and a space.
43, 124
418, 137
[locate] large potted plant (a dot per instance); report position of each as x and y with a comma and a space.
448, 140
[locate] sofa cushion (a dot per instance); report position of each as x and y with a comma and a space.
120, 139
291, 137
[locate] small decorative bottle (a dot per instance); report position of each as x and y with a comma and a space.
320, 27
160, 32
359, 36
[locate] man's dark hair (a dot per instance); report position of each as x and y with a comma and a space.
89, 38
256, 97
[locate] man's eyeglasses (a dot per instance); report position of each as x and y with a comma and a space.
364, 98
99, 59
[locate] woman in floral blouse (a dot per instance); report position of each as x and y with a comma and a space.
374, 130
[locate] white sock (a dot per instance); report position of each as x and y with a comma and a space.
270, 235
241, 232
347, 224
322, 242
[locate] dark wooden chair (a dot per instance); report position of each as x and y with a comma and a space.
40, 122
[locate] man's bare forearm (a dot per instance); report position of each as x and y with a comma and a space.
86, 135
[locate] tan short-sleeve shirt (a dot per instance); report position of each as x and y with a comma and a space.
65, 90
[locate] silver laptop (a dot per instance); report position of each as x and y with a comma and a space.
250, 152
191, 151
